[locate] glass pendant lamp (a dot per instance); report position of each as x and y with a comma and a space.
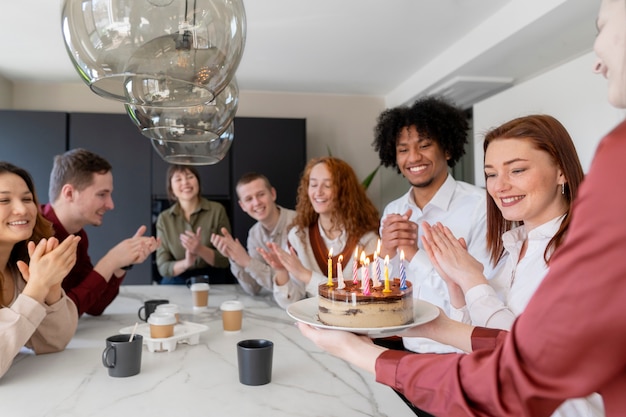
190, 152
158, 53
200, 123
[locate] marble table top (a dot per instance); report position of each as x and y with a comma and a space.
193, 380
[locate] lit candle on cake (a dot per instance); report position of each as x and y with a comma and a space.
402, 272
366, 278
330, 267
387, 289
355, 266
340, 284
375, 272
362, 270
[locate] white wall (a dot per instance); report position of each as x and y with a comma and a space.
343, 124
6, 93
572, 93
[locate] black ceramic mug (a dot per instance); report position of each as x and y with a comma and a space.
148, 308
122, 356
254, 358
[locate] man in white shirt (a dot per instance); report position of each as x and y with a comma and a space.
421, 142
257, 198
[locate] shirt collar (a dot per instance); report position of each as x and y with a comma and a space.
442, 197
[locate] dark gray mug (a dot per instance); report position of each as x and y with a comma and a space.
254, 357
148, 308
197, 280
121, 356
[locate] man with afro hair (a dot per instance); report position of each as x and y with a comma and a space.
422, 141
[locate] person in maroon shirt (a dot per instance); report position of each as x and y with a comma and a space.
571, 339
80, 190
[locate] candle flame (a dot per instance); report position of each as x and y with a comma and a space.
386, 259
340, 259
330, 253
402, 255
363, 257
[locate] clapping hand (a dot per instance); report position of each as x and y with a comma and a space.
451, 258
50, 262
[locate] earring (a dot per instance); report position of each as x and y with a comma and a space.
563, 188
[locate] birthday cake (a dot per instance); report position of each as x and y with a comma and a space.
350, 307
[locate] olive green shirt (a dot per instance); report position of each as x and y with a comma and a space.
210, 217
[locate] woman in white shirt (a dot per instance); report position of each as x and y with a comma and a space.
532, 173
333, 213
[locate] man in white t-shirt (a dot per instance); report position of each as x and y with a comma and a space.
257, 198
422, 141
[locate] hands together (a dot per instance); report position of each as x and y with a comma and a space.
283, 261
50, 262
451, 258
230, 248
398, 233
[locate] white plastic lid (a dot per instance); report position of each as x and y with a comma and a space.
200, 286
167, 308
162, 319
231, 305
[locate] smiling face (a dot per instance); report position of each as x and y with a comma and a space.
320, 189
90, 203
185, 185
257, 200
421, 161
17, 209
610, 47
524, 182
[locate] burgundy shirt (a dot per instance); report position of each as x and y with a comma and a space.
570, 340
86, 287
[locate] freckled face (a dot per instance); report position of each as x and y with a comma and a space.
524, 182
321, 189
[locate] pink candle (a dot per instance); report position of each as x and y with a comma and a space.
363, 270
355, 266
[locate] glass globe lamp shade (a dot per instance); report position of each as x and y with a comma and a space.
199, 123
195, 152
176, 53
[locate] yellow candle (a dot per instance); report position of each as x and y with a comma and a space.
330, 267
387, 289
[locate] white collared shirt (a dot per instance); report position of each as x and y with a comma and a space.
462, 208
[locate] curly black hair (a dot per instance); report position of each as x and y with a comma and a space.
433, 117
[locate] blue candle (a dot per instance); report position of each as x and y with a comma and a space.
402, 272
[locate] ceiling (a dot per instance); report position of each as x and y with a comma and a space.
395, 49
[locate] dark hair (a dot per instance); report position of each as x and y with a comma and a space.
75, 167
173, 169
43, 228
248, 177
433, 117
353, 210
546, 134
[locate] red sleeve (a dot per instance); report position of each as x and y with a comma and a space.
570, 340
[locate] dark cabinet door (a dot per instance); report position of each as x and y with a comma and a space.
114, 137
273, 147
30, 140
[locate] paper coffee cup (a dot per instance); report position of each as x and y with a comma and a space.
200, 293
169, 308
232, 315
161, 325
